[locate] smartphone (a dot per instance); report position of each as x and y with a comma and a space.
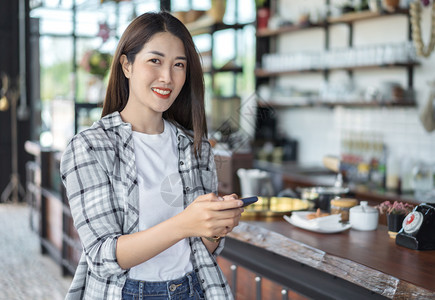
249, 200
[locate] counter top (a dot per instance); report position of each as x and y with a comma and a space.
369, 259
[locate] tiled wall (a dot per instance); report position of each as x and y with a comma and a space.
319, 130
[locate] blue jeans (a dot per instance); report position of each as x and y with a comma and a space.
186, 287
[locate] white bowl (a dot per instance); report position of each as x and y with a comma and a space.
363, 217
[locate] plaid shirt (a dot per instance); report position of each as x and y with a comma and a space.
98, 169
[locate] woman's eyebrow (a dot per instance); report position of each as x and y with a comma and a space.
163, 55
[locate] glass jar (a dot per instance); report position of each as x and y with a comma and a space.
423, 181
342, 206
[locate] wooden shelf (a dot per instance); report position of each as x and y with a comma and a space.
364, 15
286, 29
221, 70
198, 28
345, 18
226, 98
357, 104
261, 73
385, 66
272, 104
264, 74
88, 105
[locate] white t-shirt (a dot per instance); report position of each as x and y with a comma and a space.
160, 198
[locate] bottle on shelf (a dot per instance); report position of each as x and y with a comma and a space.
393, 174
405, 180
422, 176
363, 158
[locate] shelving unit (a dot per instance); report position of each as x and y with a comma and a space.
353, 104
211, 29
221, 103
265, 74
287, 29
266, 43
197, 28
364, 15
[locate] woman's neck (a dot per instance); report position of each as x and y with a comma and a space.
145, 123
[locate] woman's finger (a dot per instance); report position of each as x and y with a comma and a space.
230, 197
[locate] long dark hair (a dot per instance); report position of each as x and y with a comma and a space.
188, 109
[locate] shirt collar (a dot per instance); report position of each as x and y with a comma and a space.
114, 119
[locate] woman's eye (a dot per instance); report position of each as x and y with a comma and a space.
154, 60
181, 65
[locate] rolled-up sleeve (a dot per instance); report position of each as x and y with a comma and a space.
212, 168
95, 208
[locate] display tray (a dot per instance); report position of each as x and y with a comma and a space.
274, 207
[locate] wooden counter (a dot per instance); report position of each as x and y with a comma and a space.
351, 264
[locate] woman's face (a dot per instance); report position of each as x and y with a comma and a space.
157, 75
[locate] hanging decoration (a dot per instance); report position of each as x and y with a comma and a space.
14, 191
104, 31
4, 103
415, 12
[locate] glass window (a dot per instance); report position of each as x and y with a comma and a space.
86, 82
180, 5
88, 22
57, 90
59, 81
56, 67
54, 21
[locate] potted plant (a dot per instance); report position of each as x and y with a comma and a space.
396, 213
96, 62
263, 14
390, 5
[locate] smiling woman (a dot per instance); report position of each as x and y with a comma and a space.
156, 77
189, 105
142, 183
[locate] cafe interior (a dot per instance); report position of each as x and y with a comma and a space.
323, 109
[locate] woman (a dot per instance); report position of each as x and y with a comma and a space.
141, 182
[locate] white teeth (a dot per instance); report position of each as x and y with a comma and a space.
163, 92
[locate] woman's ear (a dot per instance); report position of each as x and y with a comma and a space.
125, 65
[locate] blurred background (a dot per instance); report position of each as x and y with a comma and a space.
288, 83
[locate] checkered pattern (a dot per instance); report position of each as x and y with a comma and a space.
99, 172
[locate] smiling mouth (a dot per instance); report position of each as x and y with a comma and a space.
161, 92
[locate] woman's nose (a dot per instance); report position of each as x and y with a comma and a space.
166, 75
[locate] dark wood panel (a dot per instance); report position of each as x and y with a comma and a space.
54, 222
9, 64
374, 249
271, 291
247, 284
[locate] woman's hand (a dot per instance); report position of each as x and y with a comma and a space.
233, 197
210, 215
207, 216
